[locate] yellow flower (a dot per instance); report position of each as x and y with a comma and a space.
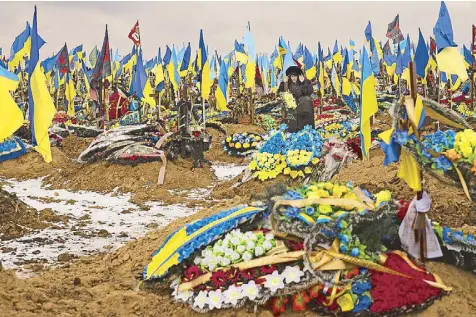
254, 144
238, 145
253, 165
228, 139
315, 161
325, 209
307, 170
328, 186
287, 170
246, 145
294, 174
382, 196
258, 138
231, 145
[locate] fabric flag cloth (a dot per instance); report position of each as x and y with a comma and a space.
249, 43
449, 59
11, 116
142, 87
63, 61
103, 65
468, 57
205, 81
134, 34
221, 91
185, 61
93, 56
240, 53
393, 32
40, 104
368, 103
21, 47
421, 58
309, 65
70, 93
159, 75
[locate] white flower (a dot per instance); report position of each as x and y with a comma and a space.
212, 266
235, 256
269, 236
229, 252
250, 290
292, 274
250, 245
267, 245
226, 242
259, 251
207, 253
218, 249
247, 256
218, 259
235, 241
215, 299
197, 260
233, 294
183, 296
200, 300
274, 281
241, 248
225, 262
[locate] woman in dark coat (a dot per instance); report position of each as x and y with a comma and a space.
301, 89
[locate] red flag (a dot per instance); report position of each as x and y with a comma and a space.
474, 39
134, 34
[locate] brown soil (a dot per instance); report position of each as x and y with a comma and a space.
18, 219
450, 206
106, 285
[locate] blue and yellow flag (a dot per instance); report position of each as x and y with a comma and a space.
70, 93
21, 47
40, 105
421, 58
142, 87
240, 53
184, 67
448, 58
221, 92
11, 117
159, 75
249, 43
310, 66
205, 81
368, 104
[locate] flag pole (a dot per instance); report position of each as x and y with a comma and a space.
472, 68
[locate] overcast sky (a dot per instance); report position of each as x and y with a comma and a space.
170, 23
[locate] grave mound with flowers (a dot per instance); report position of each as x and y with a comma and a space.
241, 144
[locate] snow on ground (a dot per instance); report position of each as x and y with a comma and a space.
97, 222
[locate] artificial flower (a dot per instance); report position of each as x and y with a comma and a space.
192, 273
267, 269
278, 304
292, 274
300, 300
250, 290
274, 281
247, 256
232, 275
247, 275
363, 303
218, 279
232, 295
361, 287
259, 251
183, 296
201, 299
215, 299
382, 196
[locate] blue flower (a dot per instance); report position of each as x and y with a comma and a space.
364, 303
309, 210
458, 235
354, 252
291, 212
363, 271
443, 163
361, 287
401, 137
292, 195
447, 235
343, 248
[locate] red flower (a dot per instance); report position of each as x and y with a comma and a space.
267, 269
218, 279
314, 290
295, 246
192, 273
247, 275
196, 134
232, 275
353, 273
300, 300
278, 305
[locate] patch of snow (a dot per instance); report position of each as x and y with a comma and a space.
228, 171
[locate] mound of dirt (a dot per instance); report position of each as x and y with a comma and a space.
18, 219
450, 206
106, 285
